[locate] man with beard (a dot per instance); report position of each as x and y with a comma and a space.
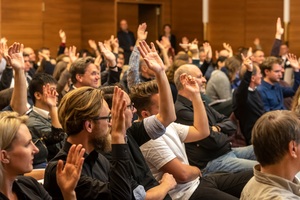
86, 118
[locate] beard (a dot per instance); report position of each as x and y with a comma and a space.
103, 143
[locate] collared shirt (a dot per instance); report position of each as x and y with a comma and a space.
42, 112
268, 186
272, 95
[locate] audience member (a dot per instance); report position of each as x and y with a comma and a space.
275, 139
167, 153
43, 121
143, 183
271, 91
213, 153
247, 103
167, 32
17, 151
14, 58
86, 118
126, 40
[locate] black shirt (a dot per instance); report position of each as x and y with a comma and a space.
247, 106
27, 188
100, 179
139, 170
216, 144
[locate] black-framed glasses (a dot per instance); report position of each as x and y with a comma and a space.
108, 118
131, 106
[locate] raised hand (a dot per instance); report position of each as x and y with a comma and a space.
228, 48
141, 32
50, 96
114, 43
108, 55
14, 56
72, 54
249, 52
62, 36
44, 56
118, 130
107, 45
93, 44
189, 84
208, 51
279, 29
256, 42
3, 48
151, 57
293, 61
67, 175
247, 62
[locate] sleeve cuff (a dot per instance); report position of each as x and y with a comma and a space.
120, 152
154, 127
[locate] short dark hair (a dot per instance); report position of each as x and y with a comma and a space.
37, 83
141, 94
272, 134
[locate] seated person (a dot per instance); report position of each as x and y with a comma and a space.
166, 154
16, 155
143, 184
43, 121
247, 102
275, 138
214, 153
86, 119
272, 93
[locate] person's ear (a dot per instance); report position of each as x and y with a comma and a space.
182, 78
4, 157
145, 114
293, 149
88, 126
78, 77
37, 95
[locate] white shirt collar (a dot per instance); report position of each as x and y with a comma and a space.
43, 113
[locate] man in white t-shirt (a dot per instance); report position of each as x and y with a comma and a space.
167, 153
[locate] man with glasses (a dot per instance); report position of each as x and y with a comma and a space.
272, 93
87, 119
85, 73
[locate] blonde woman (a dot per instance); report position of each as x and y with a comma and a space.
16, 158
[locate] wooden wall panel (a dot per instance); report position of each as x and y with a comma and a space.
61, 14
130, 12
187, 20
21, 21
237, 22
226, 23
260, 21
98, 20
294, 30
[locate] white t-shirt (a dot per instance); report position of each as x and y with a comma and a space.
164, 149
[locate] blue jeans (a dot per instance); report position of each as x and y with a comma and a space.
238, 159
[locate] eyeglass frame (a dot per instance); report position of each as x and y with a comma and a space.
108, 118
131, 106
